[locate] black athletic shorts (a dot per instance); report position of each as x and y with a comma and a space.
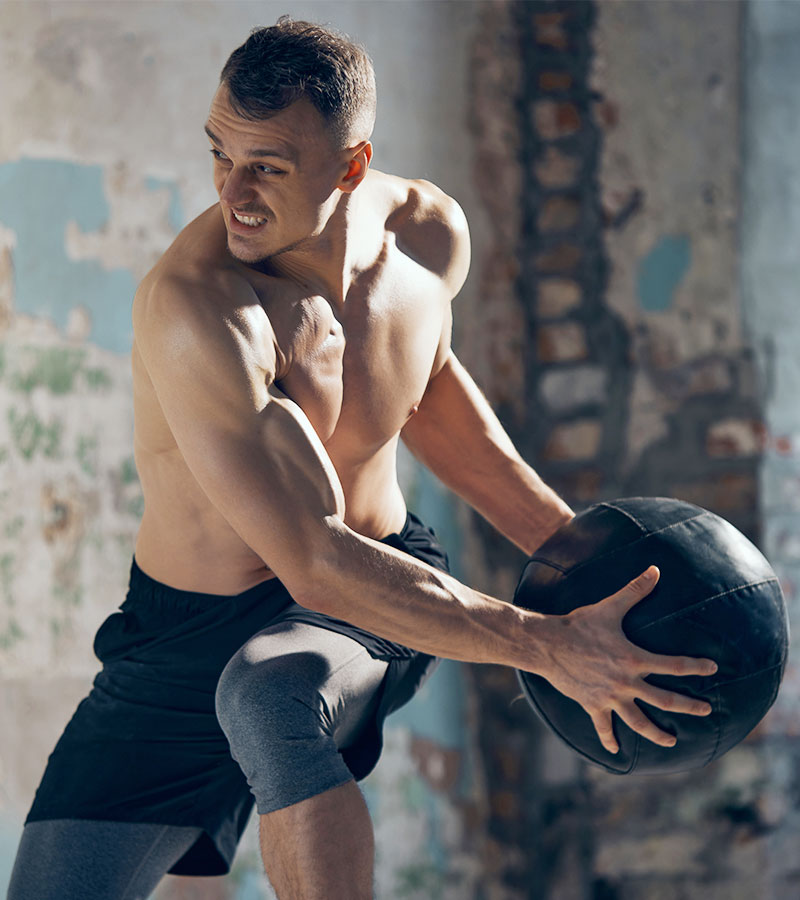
145, 744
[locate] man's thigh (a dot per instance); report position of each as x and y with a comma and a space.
289, 701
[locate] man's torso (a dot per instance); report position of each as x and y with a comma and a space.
357, 371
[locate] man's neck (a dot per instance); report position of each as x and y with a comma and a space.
328, 262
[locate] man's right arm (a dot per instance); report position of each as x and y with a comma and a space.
257, 458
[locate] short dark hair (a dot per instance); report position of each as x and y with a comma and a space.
292, 59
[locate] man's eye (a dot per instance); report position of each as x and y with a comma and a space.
217, 154
268, 170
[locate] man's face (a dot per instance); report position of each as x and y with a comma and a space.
277, 174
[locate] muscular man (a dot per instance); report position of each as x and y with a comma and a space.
284, 343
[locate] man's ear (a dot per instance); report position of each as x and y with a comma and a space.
358, 164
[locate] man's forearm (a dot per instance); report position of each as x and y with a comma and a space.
397, 597
459, 438
516, 501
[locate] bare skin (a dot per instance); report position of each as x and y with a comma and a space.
275, 369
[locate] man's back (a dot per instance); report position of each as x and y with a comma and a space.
356, 365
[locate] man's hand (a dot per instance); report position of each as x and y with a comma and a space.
593, 662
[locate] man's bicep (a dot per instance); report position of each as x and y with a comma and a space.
251, 450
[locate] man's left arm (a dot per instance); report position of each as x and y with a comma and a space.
456, 434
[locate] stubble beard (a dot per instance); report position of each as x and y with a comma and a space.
263, 262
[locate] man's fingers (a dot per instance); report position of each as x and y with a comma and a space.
677, 703
605, 730
678, 665
636, 589
635, 719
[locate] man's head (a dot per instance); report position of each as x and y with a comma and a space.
289, 127
276, 66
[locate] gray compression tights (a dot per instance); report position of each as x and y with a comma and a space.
71, 858
290, 686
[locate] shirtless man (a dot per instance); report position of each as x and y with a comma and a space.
284, 343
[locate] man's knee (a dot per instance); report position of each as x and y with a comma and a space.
264, 699
278, 726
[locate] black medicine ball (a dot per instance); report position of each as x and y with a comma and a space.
717, 597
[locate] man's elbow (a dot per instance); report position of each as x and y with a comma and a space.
318, 583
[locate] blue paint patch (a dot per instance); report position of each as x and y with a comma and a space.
38, 198
175, 212
438, 711
433, 503
661, 271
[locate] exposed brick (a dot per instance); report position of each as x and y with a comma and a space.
504, 804
549, 30
555, 169
556, 297
711, 377
553, 119
439, 766
735, 438
725, 493
566, 389
559, 214
663, 854
555, 81
573, 441
561, 258
582, 486
564, 342
608, 113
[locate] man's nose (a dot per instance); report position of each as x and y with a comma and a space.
237, 187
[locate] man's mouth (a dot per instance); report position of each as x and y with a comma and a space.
252, 221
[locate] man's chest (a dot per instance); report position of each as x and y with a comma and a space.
358, 370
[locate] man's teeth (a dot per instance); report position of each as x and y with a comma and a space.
249, 220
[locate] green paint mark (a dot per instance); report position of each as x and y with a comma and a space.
13, 529
126, 544
135, 507
86, 453
414, 793
29, 434
3, 454
11, 635
51, 439
98, 379
419, 879
53, 367
7, 577
69, 596
128, 474
661, 271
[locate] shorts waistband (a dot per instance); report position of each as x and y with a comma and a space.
142, 585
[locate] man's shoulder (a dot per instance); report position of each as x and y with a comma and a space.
429, 226
201, 297
196, 270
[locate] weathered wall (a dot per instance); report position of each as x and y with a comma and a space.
102, 161
639, 334
628, 172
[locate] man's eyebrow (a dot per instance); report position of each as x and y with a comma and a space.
254, 154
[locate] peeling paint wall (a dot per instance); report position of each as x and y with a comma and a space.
102, 161
647, 319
